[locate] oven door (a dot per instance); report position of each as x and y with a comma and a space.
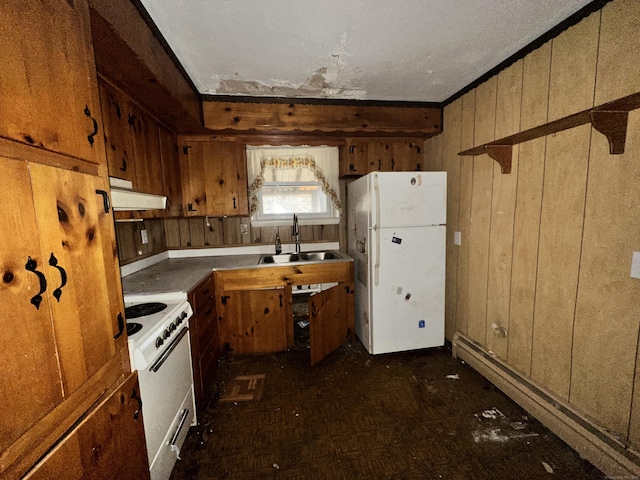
164, 385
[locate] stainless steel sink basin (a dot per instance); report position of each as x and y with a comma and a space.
318, 256
300, 257
282, 258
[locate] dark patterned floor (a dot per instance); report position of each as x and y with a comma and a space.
356, 416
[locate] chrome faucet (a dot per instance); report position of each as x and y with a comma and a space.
295, 232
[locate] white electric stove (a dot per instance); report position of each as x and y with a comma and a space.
159, 348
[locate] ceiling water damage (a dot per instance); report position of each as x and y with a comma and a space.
405, 50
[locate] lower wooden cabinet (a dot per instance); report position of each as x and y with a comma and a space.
108, 443
255, 313
205, 345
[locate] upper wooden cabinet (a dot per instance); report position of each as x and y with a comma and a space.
146, 148
118, 136
214, 178
171, 173
48, 90
60, 283
389, 155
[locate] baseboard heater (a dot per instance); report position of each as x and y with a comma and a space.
592, 442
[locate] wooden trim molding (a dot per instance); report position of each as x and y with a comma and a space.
290, 118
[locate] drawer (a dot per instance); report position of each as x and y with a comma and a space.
200, 295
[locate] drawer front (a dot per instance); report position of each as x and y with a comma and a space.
202, 294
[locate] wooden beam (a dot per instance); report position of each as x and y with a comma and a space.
293, 117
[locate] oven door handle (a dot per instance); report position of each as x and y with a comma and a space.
165, 354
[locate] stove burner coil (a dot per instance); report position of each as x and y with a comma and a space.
144, 309
133, 328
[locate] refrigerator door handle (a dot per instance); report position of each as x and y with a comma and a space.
376, 228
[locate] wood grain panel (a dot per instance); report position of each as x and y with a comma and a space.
500, 256
436, 152
509, 93
451, 164
231, 229
464, 212
291, 117
480, 220
254, 321
185, 233
535, 87
573, 65
485, 113
196, 232
559, 258
68, 219
619, 51
192, 169
171, 172
509, 100
172, 232
156, 236
634, 420
607, 310
214, 231
30, 385
255, 278
329, 322
524, 266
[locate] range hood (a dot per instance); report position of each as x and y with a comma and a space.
124, 198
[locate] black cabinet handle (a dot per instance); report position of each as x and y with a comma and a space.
234, 202
120, 326
53, 261
379, 164
105, 200
123, 168
31, 267
135, 395
280, 299
393, 164
87, 112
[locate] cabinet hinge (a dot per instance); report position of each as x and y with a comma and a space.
224, 299
185, 149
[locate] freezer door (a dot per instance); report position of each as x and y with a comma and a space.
407, 289
406, 199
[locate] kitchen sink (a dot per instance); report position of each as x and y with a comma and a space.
300, 257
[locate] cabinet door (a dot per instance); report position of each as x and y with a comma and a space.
146, 148
48, 91
30, 385
171, 173
254, 321
379, 156
117, 134
329, 321
406, 156
109, 443
356, 160
214, 178
59, 284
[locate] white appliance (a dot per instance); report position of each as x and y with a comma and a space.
159, 348
396, 235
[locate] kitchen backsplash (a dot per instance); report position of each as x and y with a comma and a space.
163, 234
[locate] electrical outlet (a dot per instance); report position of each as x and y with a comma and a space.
244, 229
145, 238
635, 265
457, 238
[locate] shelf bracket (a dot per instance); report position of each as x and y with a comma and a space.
612, 125
501, 154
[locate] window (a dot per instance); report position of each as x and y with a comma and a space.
288, 180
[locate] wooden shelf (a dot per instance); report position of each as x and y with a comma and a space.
610, 119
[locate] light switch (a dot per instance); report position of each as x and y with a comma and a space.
143, 235
457, 238
244, 229
635, 265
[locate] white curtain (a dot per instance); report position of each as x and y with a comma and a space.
293, 164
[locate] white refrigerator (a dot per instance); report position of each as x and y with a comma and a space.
396, 235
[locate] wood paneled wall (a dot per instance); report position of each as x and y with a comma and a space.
546, 251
